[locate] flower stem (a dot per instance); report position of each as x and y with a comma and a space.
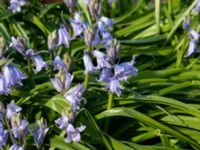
29, 67
87, 76
110, 101
164, 140
109, 106
52, 58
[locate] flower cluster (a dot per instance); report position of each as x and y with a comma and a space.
111, 72
10, 76
193, 35
17, 127
20, 45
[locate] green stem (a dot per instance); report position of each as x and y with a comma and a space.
170, 6
29, 67
157, 15
52, 58
109, 106
87, 77
110, 101
164, 140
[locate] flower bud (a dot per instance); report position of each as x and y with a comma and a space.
89, 35
2, 47
69, 62
52, 39
70, 4
94, 7
114, 51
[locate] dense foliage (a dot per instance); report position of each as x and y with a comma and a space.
51, 93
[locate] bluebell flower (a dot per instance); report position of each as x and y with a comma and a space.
114, 86
70, 4
3, 136
30, 53
186, 23
89, 67
62, 84
13, 76
3, 86
197, 7
20, 128
102, 59
73, 134
12, 109
15, 5
73, 96
105, 34
19, 44
16, 147
194, 38
39, 63
96, 39
64, 121
59, 64
76, 24
124, 71
105, 75
108, 22
39, 132
63, 36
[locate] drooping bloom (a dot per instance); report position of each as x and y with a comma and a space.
70, 4
197, 7
115, 87
124, 71
105, 34
13, 76
76, 24
194, 39
12, 109
20, 128
105, 75
3, 136
108, 22
89, 67
16, 147
64, 121
59, 64
186, 23
39, 63
63, 36
19, 44
102, 59
39, 132
3, 86
62, 84
15, 5
73, 96
73, 134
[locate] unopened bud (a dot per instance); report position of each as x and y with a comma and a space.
94, 7
89, 35
2, 47
114, 51
70, 4
52, 39
69, 62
